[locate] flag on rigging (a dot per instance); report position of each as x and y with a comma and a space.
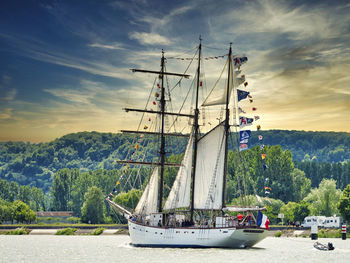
242, 94
263, 156
243, 146
260, 137
245, 121
256, 118
262, 220
243, 135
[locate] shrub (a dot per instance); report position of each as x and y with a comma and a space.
97, 231
18, 231
278, 234
66, 231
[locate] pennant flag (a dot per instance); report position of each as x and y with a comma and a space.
240, 60
254, 109
149, 119
256, 118
266, 179
240, 110
250, 100
145, 127
260, 137
262, 146
124, 172
158, 85
243, 147
250, 96
268, 188
156, 95
201, 83
245, 84
263, 156
242, 94
244, 121
142, 135
262, 220
244, 135
117, 183
136, 146
267, 192
154, 103
258, 127
265, 167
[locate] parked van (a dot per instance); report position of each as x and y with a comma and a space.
313, 220
333, 221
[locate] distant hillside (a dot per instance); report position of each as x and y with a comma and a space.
34, 164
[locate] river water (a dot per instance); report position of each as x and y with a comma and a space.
117, 248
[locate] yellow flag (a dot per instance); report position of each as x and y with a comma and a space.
117, 183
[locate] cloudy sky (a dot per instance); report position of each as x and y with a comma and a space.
64, 65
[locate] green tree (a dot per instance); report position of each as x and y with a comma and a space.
24, 194
92, 210
324, 200
301, 185
61, 190
288, 211
344, 204
129, 199
6, 211
37, 202
301, 211
22, 213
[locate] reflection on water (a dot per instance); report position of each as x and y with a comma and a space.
118, 249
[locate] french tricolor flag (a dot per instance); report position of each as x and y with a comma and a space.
262, 220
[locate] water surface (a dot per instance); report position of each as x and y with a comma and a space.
50, 248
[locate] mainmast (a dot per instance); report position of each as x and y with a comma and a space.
227, 123
196, 128
162, 137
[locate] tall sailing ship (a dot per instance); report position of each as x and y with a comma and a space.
195, 213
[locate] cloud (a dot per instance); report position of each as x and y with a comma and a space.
6, 114
149, 38
117, 46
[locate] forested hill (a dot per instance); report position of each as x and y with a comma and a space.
34, 164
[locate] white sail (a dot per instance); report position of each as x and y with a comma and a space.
210, 170
148, 201
180, 192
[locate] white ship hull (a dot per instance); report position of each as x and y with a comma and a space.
226, 237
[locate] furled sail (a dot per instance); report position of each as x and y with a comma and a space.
210, 169
148, 201
180, 192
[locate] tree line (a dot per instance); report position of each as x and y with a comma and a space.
36, 164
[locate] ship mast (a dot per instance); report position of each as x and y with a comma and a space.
196, 128
227, 124
162, 133
162, 137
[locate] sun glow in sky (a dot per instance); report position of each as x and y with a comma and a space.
64, 65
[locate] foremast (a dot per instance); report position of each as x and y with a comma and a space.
162, 113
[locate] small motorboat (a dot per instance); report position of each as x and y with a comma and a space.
320, 246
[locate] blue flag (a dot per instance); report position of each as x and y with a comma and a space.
242, 94
244, 135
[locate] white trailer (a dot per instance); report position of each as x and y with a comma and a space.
333, 222
313, 220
